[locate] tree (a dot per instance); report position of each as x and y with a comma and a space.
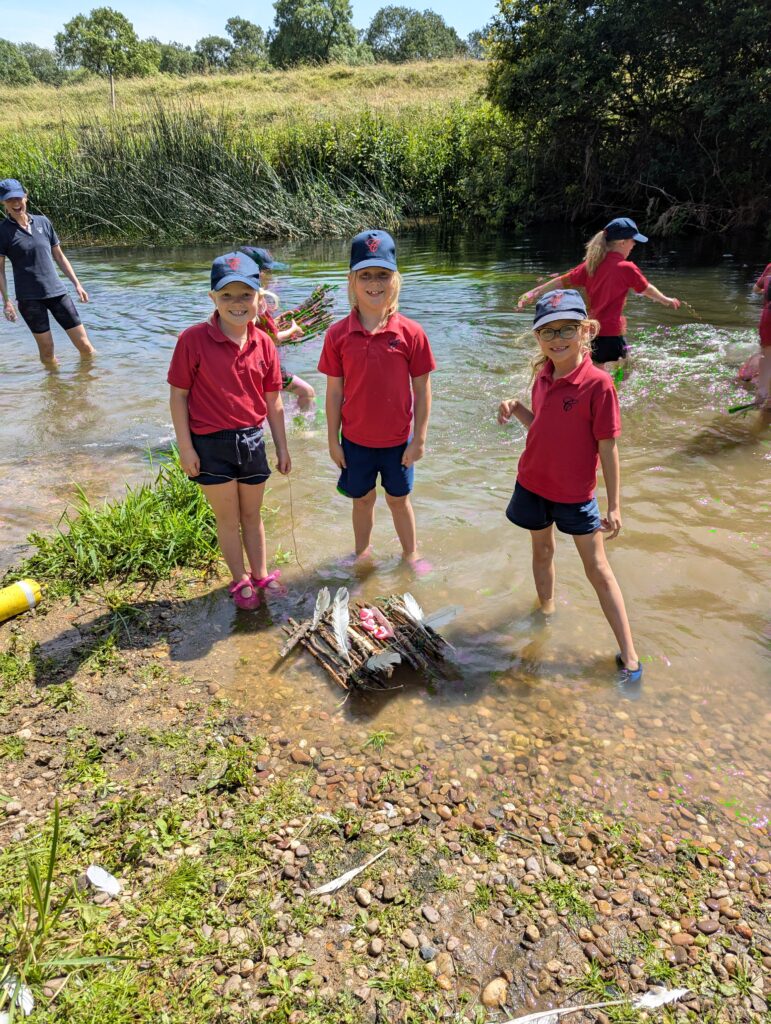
213, 51
475, 43
104, 42
635, 104
248, 46
402, 33
176, 59
14, 69
308, 30
43, 64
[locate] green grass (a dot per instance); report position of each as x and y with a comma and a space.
378, 740
12, 748
145, 536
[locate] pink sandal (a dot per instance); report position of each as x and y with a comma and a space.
236, 590
269, 582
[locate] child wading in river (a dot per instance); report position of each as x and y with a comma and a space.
225, 381
377, 361
607, 274
763, 286
268, 305
575, 418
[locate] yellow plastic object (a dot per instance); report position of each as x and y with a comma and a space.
18, 598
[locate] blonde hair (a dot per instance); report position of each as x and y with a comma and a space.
596, 251
396, 287
588, 330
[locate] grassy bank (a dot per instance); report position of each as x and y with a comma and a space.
333, 150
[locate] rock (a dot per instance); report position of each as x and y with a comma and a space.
708, 926
761, 867
300, 756
373, 926
409, 939
375, 947
445, 964
363, 897
531, 934
232, 985
494, 993
428, 953
13, 807
431, 914
390, 892
682, 939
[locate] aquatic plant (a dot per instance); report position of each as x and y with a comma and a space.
154, 529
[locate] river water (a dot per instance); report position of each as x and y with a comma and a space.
692, 558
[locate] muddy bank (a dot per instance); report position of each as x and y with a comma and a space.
512, 855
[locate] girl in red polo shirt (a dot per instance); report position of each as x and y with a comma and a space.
378, 401
763, 286
607, 274
573, 424
225, 381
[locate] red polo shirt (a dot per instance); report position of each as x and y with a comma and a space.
764, 327
607, 290
376, 370
572, 414
226, 384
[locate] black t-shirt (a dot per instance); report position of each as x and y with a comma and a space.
34, 270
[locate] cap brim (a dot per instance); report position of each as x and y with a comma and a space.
275, 265
565, 314
640, 238
374, 263
253, 282
13, 195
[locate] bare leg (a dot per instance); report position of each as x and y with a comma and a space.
79, 339
223, 499
303, 391
252, 528
591, 548
543, 567
45, 346
363, 516
404, 524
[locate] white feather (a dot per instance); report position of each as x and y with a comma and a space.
441, 617
322, 603
340, 619
19, 994
659, 997
383, 661
102, 880
341, 880
649, 1001
412, 608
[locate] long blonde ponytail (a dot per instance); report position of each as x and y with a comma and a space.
596, 251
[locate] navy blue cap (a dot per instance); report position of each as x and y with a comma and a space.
10, 188
623, 227
373, 248
234, 266
263, 258
561, 304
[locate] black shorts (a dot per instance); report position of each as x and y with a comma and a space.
34, 313
532, 512
609, 349
231, 455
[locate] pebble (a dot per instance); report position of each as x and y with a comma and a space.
409, 939
431, 914
363, 897
428, 953
494, 993
708, 926
300, 756
375, 947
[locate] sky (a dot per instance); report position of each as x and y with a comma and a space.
185, 21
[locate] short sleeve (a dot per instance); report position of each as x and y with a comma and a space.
53, 237
331, 362
606, 415
182, 369
634, 277
3, 244
272, 381
421, 359
578, 276
760, 284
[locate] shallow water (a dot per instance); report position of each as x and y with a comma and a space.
692, 558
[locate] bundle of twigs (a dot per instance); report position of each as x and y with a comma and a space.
314, 315
356, 659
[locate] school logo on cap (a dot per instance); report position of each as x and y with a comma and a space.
556, 299
233, 262
373, 244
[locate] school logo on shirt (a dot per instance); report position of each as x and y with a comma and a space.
393, 343
569, 403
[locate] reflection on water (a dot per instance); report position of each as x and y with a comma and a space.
692, 558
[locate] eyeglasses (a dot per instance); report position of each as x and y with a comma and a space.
566, 333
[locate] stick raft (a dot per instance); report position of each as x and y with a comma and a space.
368, 662
314, 315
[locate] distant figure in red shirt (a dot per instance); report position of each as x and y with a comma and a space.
607, 274
763, 285
225, 381
573, 425
378, 401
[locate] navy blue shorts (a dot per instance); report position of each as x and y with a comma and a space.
363, 465
34, 313
231, 455
609, 348
532, 512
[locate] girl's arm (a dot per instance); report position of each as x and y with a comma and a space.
514, 408
652, 292
421, 388
9, 310
334, 406
191, 464
561, 281
278, 430
66, 266
292, 331
612, 476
